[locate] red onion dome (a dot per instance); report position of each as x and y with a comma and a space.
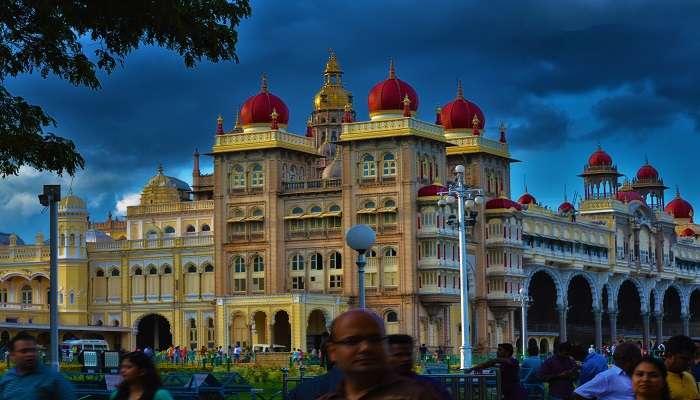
459, 113
687, 232
502, 202
628, 195
431, 190
647, 172
527, 198
599, 158
679, 208
388, 95
258, 109
566, 207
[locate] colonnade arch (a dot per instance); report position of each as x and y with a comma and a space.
579, 318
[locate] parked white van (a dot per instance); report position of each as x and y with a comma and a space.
85, 345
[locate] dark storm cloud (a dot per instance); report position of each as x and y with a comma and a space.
513, 58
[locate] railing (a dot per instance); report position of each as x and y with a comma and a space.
481, 143
205, 240
313, 185
200, 205
23, 306
392, 125
272, 138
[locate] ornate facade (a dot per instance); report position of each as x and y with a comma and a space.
255, 252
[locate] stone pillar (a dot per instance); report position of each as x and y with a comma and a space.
271, 334
685, 318
613, 327
598, 322
562, 323
659, 317
645, 331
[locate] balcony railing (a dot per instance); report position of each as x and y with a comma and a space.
201, 205
23, 307
184, 241
311, 186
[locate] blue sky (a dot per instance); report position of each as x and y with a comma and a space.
563, 78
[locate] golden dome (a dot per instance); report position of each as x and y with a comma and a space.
72, 203
332, 95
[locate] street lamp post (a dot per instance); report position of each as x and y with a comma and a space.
524, 301
50, 198
468, 200
360, 238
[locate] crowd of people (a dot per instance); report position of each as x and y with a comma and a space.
363, 362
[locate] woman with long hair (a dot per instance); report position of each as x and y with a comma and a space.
141, 380
649, 380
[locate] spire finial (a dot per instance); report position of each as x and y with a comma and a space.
220, 125
678, 192
406, 106
565, 199
646, 160
525, 182
160, 169
438, 115
460, 92
502, 130
263, 84
237, 125
274, 116
392, 71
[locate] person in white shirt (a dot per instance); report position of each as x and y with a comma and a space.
616, 382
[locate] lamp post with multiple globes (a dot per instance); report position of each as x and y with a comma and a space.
468, 201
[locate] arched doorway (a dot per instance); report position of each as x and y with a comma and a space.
544, 346
315, 329
579, 318
154, 331
239, 331
260, 328
629, 306
672, 324
694, 309
283, 330
542, 317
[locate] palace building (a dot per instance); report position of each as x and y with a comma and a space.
255, 252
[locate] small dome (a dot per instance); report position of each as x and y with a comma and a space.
566, 207
687, 232
679, 208
600, 158
460, 113
258, 109
647, 172
431, 190
72, 203
626, 196
527, 198
388, 95
502, 202
334, 170
160, 180
95, 236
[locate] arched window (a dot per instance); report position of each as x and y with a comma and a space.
190, 229
257, 212
100, 273
210, 333
138, 271
371, 253
336, 261
71, 297
152, 234
257, 177
153, 271
392, 317
191, 269
315, 210
167, 270
389, 212
293, 173
169, 230
369, 168
370, 204
316, 262
298, 263
389, 203
26, 294
389, 165
206, 228
297, 211
334, 208
71, 240
115, 272
390, 252
193, 334
208, 268
258, 264
237, 177
238, 264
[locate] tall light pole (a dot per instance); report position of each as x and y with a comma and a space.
50, 198
524, 301
467, 202
361, 238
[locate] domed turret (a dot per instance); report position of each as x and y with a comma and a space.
332, 95
566, 207
72, 203
687, 232
257, 111
461, 116
679, 208
431, 190
600, 158
386, 98
647, 172
165, 189
502, 203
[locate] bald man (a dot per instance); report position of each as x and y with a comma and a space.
616, 382
357, 346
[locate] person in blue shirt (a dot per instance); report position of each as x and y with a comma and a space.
30, 379
614, 383
593, 364
531, 367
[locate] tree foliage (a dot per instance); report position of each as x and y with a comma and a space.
48, 37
